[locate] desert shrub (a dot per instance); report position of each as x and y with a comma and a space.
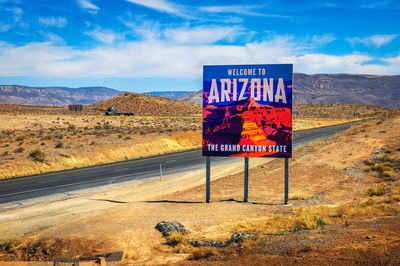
388, 151
370, 192
369, 162
297, 229
380, 190
20, 138
107, 125
175, 238
297, 196
202, 253
387, 158
19, 150
378, 168
321, 223
5, 153
367, 169
72, 127
59, 145
340, 211
387, 173
48, 137
9, 246
37, 155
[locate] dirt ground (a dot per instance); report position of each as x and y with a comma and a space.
331, 175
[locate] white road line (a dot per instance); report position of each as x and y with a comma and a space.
78, 183
122, 169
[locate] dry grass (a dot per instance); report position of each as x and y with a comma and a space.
297, 196
203, 252
316, 217
176, 238
39, 143
308, 123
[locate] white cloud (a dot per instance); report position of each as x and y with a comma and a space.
314, 63
6, 27
323, 39
148, 30
14, 21
11, 1
159, 5
375, 4
249, 10
374, 40
199, 35
87, 4
58, 22
104, 35
162, 58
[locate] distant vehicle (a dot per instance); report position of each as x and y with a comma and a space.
112, 111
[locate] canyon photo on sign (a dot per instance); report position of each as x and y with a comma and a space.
247, 110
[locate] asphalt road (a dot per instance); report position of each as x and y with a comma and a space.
28, 187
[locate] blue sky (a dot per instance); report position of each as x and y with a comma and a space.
155, 45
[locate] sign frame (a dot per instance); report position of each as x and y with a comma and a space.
248, 110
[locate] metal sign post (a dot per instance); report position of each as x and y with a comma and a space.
208, 177
246, 179
286, 180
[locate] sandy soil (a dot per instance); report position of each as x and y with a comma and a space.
328, 172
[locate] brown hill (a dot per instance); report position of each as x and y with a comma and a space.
140, 104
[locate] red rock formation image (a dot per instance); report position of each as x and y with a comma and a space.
247, 129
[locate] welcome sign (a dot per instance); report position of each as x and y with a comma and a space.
247, 110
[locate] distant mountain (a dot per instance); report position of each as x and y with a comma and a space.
54, 96
169, 94
346, 88
338, 88
194, 97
